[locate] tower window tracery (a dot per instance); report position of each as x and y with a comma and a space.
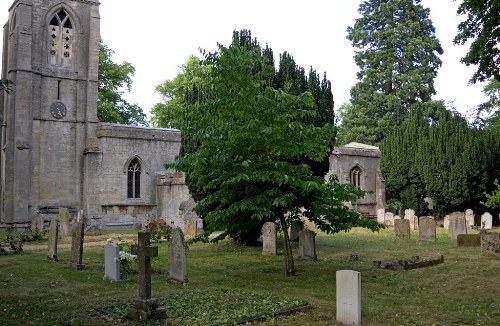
61, 39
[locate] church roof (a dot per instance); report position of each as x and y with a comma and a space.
361, 146
357, 149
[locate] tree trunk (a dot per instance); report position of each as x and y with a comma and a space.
289, 266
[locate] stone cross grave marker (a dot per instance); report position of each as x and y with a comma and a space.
402, 229
457, 225
307, 245
53, 235
77, 237
469, 218
178, 251
145, 307
427, 228
112, 262
486, 221
269, 239
64, 220
348, 297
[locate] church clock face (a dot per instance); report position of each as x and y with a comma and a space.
58, 110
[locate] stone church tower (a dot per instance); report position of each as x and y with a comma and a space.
54, 152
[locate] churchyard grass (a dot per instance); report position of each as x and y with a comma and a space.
461, 291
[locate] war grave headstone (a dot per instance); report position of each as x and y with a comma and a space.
307, 245
490, 243
410, 216
457, 225
348, 297
469, 240
469, 218
269, 240
77, 238
427, 228
178, 251
36, 222
295, 228
53, 237
112, 270
487, 221
402, 229
64, 220
145, 307
381, 215
389, 219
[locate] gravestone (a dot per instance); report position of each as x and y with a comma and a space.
381, 215
112, 262
269, 239
457, 225
36, 222
469, 240
486, 221
402, 229
490, 243
77, 237
389, 219
145, 307
295, 228
427, 228
446, 222
348, 297
53, 235
178, 251
410, 216
64, 220
190, 228
469, 218
307, 245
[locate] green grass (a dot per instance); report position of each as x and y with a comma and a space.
462, 291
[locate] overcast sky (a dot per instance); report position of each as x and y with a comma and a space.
158, 38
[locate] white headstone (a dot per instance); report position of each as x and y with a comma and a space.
112, 262
487, 221
410, 216
446, 222
381, 215
469, 218
348, 297
389, 219
269, 239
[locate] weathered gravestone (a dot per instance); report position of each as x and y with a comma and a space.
446, 222
64, 220
295, 228
145, 307
402, 229
53, 235
490, 243
348, 297
427, 228
178, 251
389, 219
36, 222
307, 245
468, 240
457, 225
269, 240
112, 262
381, 215
191, 228
487, 221
469, 218
77, 238
410, 216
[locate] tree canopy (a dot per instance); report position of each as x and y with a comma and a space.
397, 53
114, 79
482, 27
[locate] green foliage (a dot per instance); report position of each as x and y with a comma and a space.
397, 53
493, 199
482, 28
113, 78
488, 113
6, 86
14, 240
159, 230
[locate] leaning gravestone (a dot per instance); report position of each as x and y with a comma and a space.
486, 221
64, 220
112, 262
389, 219
178, 251
410, 216
457, 225
490, 243
53, 235
269, 239
469, 218
427, 228
77, 237
402, 229
307, 245
348, 297
145, 307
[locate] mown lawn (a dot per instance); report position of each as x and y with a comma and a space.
463, 291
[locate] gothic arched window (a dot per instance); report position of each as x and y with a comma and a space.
355, 176
60, 39
134, 179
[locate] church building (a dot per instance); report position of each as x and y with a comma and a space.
54, 152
